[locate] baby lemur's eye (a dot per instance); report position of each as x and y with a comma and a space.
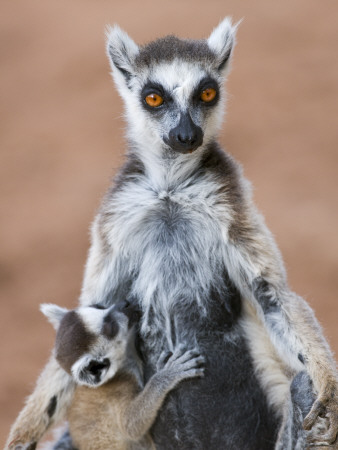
154, 100
208, 95
98, 306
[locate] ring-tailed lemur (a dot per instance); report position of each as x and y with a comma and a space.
96, 346
179, 232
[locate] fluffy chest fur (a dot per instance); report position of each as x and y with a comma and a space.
171, 238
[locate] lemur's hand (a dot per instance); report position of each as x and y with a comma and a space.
181, 364
326, 407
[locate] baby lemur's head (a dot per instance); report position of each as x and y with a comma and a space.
172, 87
92, 341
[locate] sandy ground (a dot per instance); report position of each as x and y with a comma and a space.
62, 139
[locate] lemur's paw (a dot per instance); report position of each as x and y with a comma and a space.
29, 427
325, 407
184, 363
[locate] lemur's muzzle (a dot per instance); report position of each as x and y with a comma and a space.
186, 137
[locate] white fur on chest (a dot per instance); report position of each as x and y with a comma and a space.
140, 206
172, 239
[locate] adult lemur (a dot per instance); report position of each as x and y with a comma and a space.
178, 232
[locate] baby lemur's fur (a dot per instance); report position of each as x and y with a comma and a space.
111, 408
178, 231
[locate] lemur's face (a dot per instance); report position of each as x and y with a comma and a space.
172, 87
92, 341
180, 100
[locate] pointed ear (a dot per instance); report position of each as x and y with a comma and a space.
53, 313
222, 41
122, 51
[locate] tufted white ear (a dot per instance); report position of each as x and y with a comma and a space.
53, 313
121, 51
222, 41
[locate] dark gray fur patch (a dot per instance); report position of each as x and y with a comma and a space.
302, 392
110, 327
265, 296
293, 434
170, 47
72, 340
130, 171
52, 406
65, 443
226, 173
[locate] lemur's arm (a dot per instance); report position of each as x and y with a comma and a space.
46, 406
256, 268
140, 413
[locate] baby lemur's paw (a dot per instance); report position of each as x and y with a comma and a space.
31, 424
17, 445
22, 440
182, 363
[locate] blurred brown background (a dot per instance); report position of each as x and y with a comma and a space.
62, 139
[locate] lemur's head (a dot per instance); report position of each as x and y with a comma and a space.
172, 87
92, 341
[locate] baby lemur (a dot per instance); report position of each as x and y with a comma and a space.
178, 232
111, 408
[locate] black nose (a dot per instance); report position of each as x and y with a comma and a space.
186, 137
96, 367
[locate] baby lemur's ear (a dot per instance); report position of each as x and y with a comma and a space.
53, 313
222, 41
122, 51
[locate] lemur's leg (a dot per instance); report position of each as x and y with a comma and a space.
45, 406
139, 415
256, 268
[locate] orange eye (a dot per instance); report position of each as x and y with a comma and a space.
208, 95
154, 100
